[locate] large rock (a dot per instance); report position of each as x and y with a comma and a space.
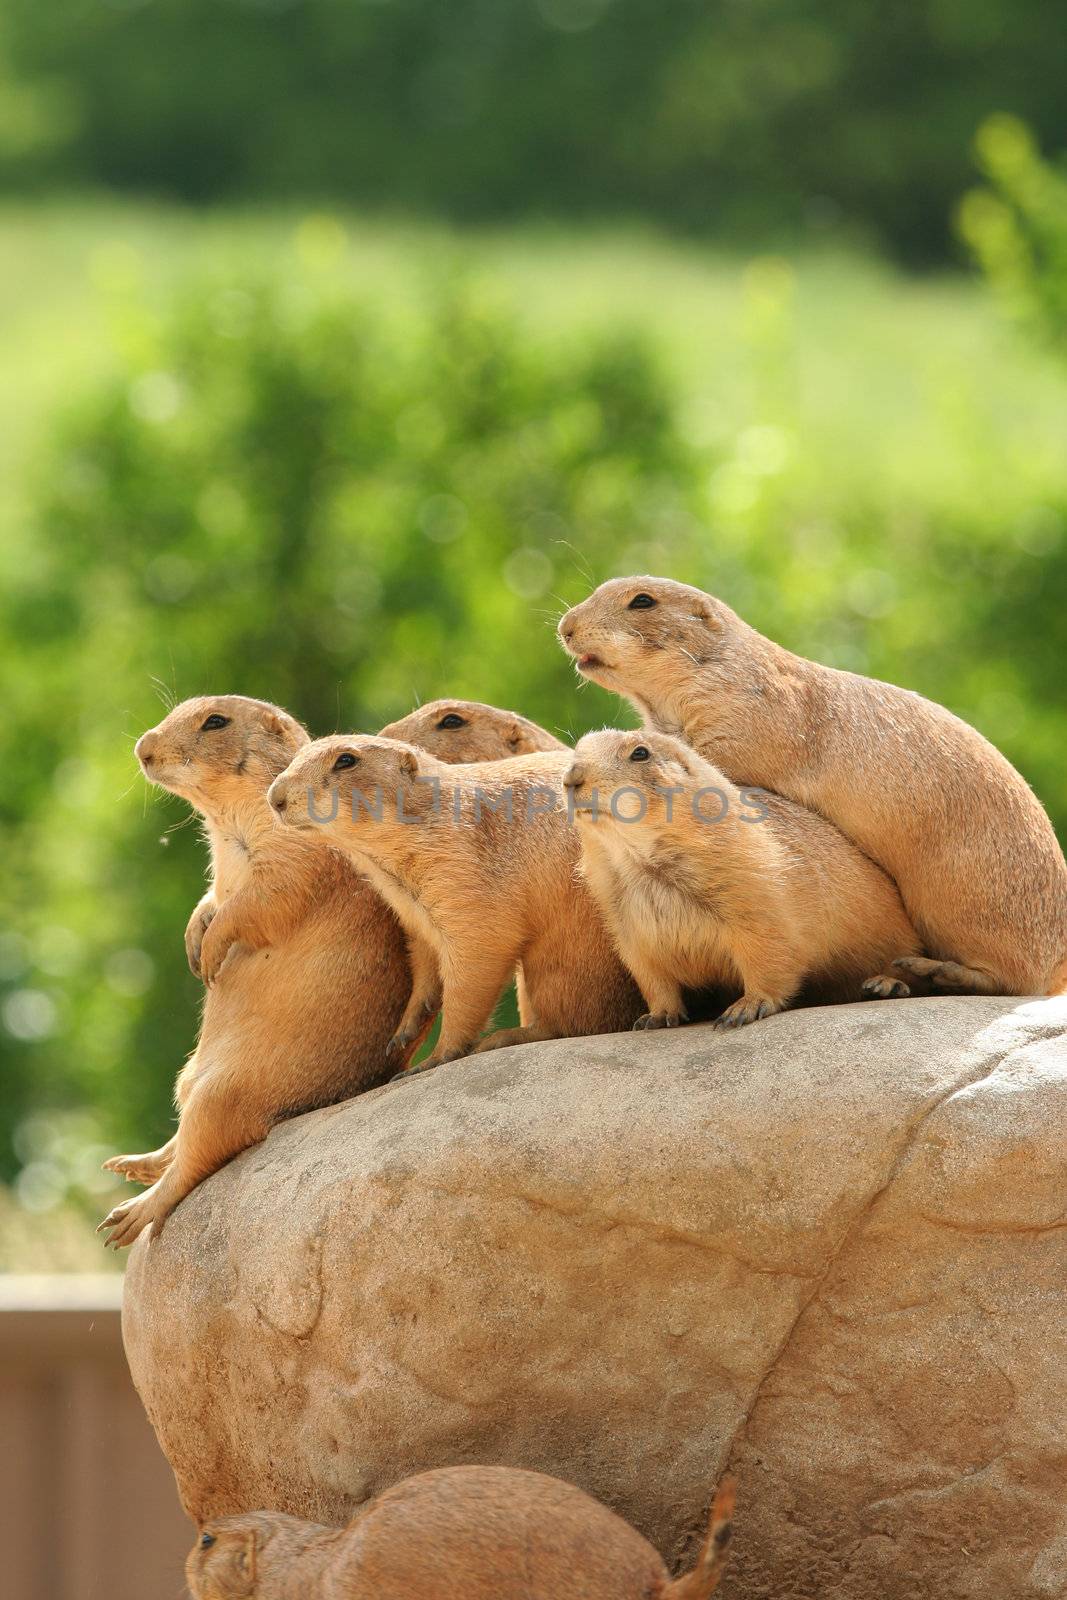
829, 1251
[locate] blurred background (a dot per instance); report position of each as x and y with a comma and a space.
345, 342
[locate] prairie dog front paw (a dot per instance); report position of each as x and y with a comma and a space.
196, 927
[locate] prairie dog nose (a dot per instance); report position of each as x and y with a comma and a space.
144, 749
566, 628
278, 795
574, 776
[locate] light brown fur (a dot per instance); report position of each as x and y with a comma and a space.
478, 896
459, 1533
702, 883
460, 731
304, 964
467, 730
968, 844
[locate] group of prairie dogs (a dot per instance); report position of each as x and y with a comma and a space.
776, 831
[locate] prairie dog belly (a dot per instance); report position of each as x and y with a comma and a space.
678, 926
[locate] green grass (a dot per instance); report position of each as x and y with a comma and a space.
910, 390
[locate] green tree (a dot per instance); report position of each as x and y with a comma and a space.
767, 116
1016, 226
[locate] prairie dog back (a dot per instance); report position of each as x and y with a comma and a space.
479, 863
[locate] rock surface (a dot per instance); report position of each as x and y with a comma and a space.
829, 1252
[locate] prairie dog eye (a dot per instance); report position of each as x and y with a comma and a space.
206, 1541
641, 752
641, 602
216, 720
452, 720
345, 759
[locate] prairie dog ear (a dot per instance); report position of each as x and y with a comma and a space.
408, 763
518, 740
704, 610
287, 728
246, 1561
234, 1577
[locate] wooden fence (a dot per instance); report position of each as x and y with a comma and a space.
88, 1507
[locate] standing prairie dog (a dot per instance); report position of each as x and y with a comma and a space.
702, 883
479, 863
458, 1533
467, 730
305, 966
960, 832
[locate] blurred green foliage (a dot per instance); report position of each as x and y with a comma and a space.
1017, 227
343, 470
739, 116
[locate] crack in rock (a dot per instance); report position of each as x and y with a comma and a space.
854, 1231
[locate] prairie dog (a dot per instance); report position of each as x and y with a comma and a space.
458, 1533
305, 966
467, 730
478, 862
702, 883
960, 832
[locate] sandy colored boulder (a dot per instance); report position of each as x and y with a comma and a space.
829, 1252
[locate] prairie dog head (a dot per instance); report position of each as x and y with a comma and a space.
467, 730
348, 782
642, 780
222, 1562
644, 636
219, 749
232, 1554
